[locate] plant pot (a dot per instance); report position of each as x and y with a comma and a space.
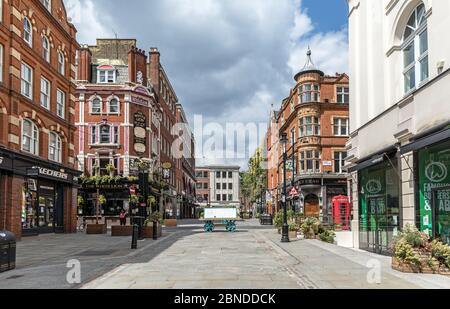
170, 222
293, 234
121, 231
148, 231
96, 229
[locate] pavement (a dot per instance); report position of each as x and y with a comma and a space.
186, 257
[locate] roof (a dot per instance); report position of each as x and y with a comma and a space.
309, 66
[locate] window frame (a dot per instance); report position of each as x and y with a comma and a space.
107, 75
310, 95
315, 126
57, 148
315, 160
341, 159
1, 55
29, 41
33, 138
109, 106
60, 112
46, 51
61, 64
91, 107
340, 126
28, 83
48, 95
343, 92
47, 4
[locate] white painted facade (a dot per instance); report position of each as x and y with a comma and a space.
382, 113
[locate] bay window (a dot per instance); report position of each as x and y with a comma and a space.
309, 126
104, 134
310, 161
309, 93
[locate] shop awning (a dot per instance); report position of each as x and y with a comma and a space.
427, 141
374, 159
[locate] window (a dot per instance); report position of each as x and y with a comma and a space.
28, 31
205, 186
230, 186
415, 50
310, 161
218, 174
224, 197
218, 186
218, 197
47, 4
230, 175
113, 106
309, 126
205, 174
27, 81
1, 60
224, 174
224, 186
309, 93
339, 161
105, 134
30, 137
45, 93
60, 103
96, 106
45, 49
93, 135
341, 127
54, 147
343, 95
106, 76
61, 63
230, 197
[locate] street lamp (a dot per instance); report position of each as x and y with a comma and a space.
285, 233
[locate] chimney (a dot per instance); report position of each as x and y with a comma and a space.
84, 64
137, 62
153, 68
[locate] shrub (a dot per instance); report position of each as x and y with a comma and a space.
441, 252
310, 227
404, 251
327, 236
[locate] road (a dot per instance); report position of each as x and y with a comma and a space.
186, 257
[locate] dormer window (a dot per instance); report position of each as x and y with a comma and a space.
106, 74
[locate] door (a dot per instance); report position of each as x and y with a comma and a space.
46, 211
312, 206
441, 214
377, 225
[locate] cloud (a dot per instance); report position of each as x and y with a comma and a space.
228, 60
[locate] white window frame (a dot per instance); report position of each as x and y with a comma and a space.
118, 106
46, 50
47, 4
26, 83
341, 161
341, 93
56, 148
340, 125
45, 95
60, 104
413, 40
33, 138
315, 160
29, 32
108, 73
315, 126
91, 109
61, 63
309, 93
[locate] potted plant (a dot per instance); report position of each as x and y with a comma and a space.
293, 229
97, 228
155, 217
327, 236
110, 169
310, 227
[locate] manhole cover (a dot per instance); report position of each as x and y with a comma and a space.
97, 253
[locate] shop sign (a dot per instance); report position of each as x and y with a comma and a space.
140, 132
310, 181
434, 173
139, 101
5, 163
49, 173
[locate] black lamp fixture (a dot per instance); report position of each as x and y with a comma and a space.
285, 229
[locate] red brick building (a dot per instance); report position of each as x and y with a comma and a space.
37, 115
118, 118
315, 118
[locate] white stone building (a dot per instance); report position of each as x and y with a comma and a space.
399, 151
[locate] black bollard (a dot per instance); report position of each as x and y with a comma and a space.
155, 230
134, 237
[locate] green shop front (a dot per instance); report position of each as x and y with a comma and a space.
433, 187
379, 202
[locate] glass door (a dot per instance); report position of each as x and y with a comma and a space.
441, 214
377, 225
46, 212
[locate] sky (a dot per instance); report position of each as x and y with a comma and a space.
229, 61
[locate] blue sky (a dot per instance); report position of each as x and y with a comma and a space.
327, 15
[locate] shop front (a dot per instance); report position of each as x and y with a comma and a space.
379, 206
433, 211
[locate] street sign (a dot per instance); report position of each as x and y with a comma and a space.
293, 192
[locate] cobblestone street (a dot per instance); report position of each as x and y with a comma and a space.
186, 257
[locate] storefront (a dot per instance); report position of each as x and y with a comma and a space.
379, 205
433, 211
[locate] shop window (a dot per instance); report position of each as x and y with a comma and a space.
54, 147
415, 50
45, 48
309, 126
28, 31
30, 137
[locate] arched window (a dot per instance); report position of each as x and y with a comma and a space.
113, 106
27, 31
415, 50
61, 63
45, 48
96, 106
54, 147
30, 137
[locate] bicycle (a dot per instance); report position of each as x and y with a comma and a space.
81, 227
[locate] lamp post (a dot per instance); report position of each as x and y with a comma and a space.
285, 230
293, 167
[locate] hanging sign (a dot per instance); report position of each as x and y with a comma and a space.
140, 133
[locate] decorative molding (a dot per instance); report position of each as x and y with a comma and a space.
391, 5
14, 139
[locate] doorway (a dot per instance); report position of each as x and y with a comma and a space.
441, 214
312, 206
378, 239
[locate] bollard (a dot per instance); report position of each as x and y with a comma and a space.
134, 237
155, 230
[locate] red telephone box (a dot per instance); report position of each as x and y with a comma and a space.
342, 211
